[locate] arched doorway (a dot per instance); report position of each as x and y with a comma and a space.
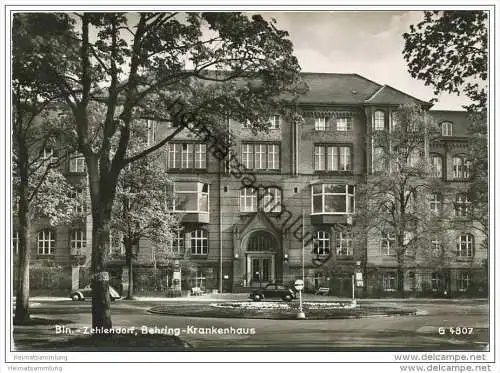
261, 249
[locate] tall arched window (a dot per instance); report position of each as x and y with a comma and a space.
199, 242
465, 245
436, 166
461, 167
379, 121
321, 243
446, 128
46, 242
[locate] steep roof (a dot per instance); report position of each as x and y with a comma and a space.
336, 88
333, 88
388, 95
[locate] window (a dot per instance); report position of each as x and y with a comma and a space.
332, 199
344, 124
270, 200
446, 128
379, 121
332, 158
275, 122
176, 243
436, 166
199, 280
199, 242
465, 245
191, 196
462, 204
78, 242
394, 120
77, 164
461, 168
200, 156
267, 199
46, 242
389, 281
261, 156
344, 244
414, 157
321, 243
80, 205
378, 159
320, 124
463, 280
436, 281
187, 155
116, 246
436, 249
248, 199
317, 280
387, 244
15, 242
435, 203
151, 127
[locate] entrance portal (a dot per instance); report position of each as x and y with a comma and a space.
260, 258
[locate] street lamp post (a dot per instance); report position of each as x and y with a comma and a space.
357, 280
299, 285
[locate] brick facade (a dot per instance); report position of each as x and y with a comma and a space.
251, 248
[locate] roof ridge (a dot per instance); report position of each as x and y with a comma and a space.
368, 80
406, 94
375, 93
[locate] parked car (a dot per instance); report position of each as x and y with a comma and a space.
86, 292
273, 291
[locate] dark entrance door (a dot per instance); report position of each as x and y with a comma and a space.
261, 258
261, 270
342, 285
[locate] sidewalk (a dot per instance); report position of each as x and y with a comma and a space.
228, 297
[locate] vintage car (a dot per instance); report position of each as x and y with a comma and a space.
273, 291
86, 292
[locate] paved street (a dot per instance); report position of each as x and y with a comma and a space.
376, 333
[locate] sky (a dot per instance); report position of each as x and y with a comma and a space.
368, 43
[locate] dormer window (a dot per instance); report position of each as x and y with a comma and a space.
446, 128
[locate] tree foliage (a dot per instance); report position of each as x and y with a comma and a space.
182, 68
143, 211
395, 199
40, 144
449, 51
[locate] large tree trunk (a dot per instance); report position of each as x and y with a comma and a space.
101, 302
22, 314
401, 281
102, 195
